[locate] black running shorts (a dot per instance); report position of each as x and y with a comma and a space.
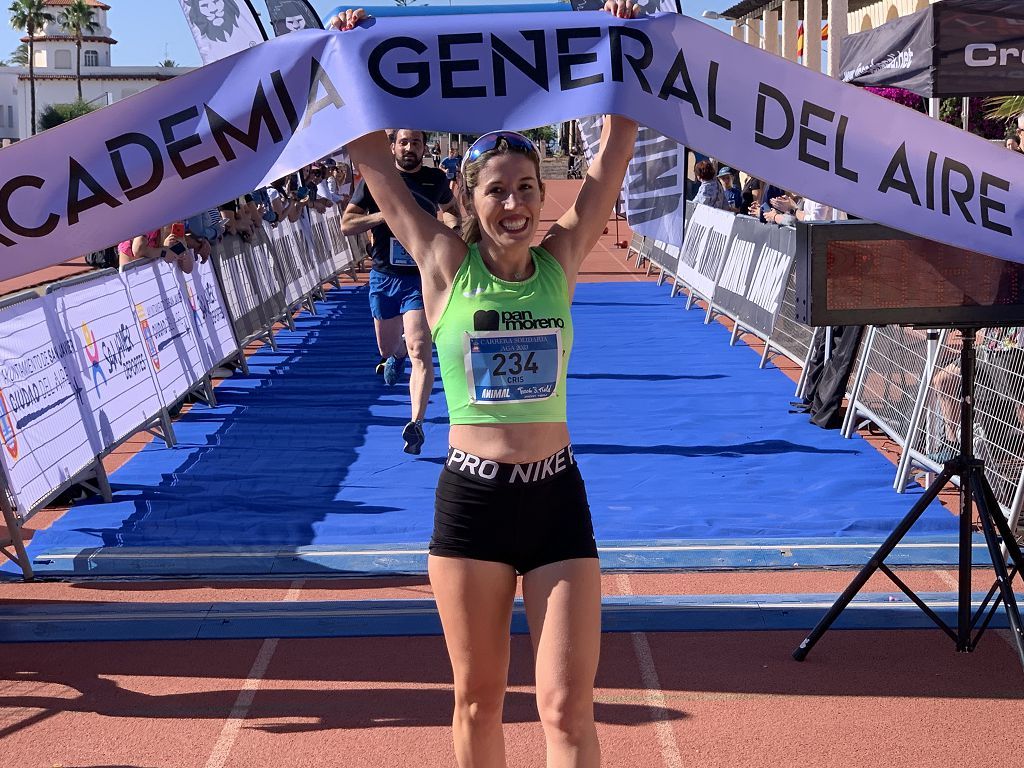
524, 515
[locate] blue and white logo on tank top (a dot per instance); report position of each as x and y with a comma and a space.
512, 366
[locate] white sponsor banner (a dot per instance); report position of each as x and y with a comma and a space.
222, 27
238, 123
216, 335
110, 363
703, 253
155, 289
45, 439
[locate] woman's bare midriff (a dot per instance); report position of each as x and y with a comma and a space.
510, 443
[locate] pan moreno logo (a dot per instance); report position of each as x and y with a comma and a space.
147, 336
92, 354
10, 437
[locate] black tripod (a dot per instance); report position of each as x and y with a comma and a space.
974, 489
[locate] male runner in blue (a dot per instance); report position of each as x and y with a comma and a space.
396, 298
451, 165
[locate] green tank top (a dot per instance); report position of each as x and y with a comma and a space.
504, 346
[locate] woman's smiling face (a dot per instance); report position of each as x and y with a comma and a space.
507, 199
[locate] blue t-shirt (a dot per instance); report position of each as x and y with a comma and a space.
734, 198
451, 167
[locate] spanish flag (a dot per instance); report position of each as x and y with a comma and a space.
800, 38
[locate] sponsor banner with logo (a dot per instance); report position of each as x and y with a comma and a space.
703, 252
898, 53
216, 335
292, 15
111, 363
952, 48
752, 282
979, 47
155, 289
42, 407
222, 27
233, 125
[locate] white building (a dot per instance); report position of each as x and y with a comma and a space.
55, 68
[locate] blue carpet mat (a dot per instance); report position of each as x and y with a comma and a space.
679, 436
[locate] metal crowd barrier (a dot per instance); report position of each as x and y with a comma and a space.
907, 383
744, 270
106, 355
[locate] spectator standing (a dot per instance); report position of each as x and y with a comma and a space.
733, 196
710, 192
1013, 143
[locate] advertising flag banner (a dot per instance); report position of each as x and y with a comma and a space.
654, 188
110, 364
239, 123
168, 335
292, 15
42, 408
222, 27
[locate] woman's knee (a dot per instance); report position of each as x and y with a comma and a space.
479, 701
567, 714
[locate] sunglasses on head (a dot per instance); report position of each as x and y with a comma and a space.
489, 141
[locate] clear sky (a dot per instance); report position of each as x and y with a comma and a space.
149, 31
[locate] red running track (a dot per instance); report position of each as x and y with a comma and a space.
729, 700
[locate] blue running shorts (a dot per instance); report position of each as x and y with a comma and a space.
394, 295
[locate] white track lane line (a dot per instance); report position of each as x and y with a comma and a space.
246, 696
654, 697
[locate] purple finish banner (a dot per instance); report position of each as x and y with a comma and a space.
240, 122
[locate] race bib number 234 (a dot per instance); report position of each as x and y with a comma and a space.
511, 366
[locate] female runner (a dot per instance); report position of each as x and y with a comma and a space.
510, 499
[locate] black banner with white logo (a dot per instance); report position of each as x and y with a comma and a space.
292, 15
952, 48
752, 283
896, 54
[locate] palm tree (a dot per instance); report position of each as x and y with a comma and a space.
19, 56
1006, 107
168, 64
30, 16
76, 19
